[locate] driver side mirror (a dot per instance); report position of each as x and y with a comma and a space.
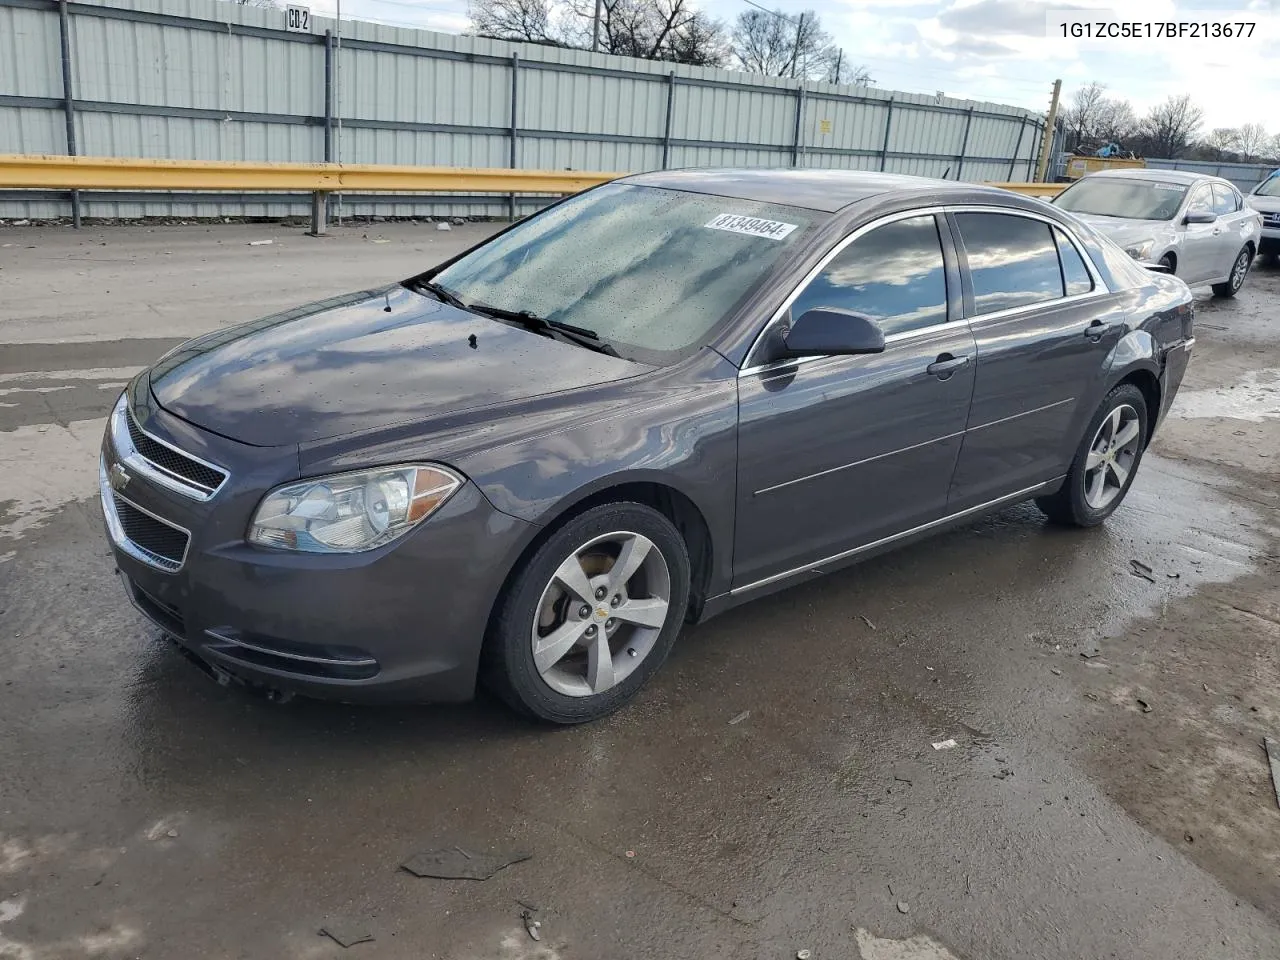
827, 331
1200, 216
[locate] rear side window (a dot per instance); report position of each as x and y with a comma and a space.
1013, 261
1225, 200
895, 274
1075, 275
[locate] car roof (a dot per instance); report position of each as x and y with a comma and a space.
826, 190
1182, 177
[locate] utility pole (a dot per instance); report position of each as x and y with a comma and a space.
795, 49
1047, 143
595, 29
839, 60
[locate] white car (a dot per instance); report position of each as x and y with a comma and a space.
1198, 228
1265, 198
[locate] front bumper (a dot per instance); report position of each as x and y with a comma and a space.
1269, 243
1176, 361
403, 622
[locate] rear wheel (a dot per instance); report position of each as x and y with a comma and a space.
1239, 270
1105, 463
591, 615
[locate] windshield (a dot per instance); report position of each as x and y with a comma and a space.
1268, 188
1128, 199
649, 271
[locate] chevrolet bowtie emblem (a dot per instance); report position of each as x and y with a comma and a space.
119, 477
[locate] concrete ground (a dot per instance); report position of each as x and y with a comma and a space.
146, 812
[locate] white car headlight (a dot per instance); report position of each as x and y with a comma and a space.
350, 512
1140, 251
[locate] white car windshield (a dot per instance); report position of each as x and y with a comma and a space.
1268, 188
649, 271
1128, 199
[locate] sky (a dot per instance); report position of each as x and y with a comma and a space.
998, 50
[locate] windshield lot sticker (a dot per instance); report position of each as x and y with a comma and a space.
751, 226
1169, 187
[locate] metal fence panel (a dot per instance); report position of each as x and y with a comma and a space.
208, 80
1244, 175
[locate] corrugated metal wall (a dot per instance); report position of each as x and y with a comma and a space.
199, 79
1245, 176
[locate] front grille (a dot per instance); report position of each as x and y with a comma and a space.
164, 545
1271, 219
206, 478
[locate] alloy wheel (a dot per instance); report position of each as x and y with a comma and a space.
601, 614
1239, 270
1111, 456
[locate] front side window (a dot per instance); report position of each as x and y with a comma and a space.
1013, 261
1201, 200
894, 274
1225, 200
650, 271
1125, 197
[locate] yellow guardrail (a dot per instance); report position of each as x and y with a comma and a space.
1033, 189
123, 173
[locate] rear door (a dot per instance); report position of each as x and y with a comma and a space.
838, 452
1201, 242
1235, 220
1044, 324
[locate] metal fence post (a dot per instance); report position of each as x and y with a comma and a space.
319, 205
515, 127
888, 128
1022, 128
964, 144
795, 143
68, 100
328, 96
666, 133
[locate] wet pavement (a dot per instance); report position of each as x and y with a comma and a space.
147, 812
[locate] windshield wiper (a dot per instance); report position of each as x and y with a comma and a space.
531, 321
442, 294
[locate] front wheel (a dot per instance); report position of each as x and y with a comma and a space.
1105, 462
1239, 270
591, 615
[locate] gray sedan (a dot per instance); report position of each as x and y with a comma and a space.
1195, 227
647, 404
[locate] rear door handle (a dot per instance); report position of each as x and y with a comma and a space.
1097, 330
946, 365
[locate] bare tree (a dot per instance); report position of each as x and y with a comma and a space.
1116, 122
1081, 118
513, 20
789, 45
1253, 141
651, 30
840, 70
1169, 128
1222, 140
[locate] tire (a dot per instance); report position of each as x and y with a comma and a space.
1078, 503
1167, 262
538, 608
1239, 270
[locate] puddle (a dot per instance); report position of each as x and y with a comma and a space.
1255, 397
915, 948
46, 467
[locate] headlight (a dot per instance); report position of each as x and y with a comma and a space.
1140, 251
350, 512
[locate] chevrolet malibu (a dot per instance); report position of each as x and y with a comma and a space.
653, 401
1195, 227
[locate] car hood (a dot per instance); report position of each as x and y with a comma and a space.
1125, 231
363, 361
1263, 204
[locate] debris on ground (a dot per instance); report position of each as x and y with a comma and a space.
1091, 652
868, 622
443, 226
739, 718
261, 243
346, 933
947, 744
1140, 569
528, 904
904, 907
455, 863
1146, 707
631, 854
1004, 774
171, 834
532, 926
380, 240
1273, 760
803, 954
1055, 671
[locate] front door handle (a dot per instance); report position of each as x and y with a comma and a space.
1217, 231
946, 365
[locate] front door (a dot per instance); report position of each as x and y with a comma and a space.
837, 452
1201, 242
1044, 326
